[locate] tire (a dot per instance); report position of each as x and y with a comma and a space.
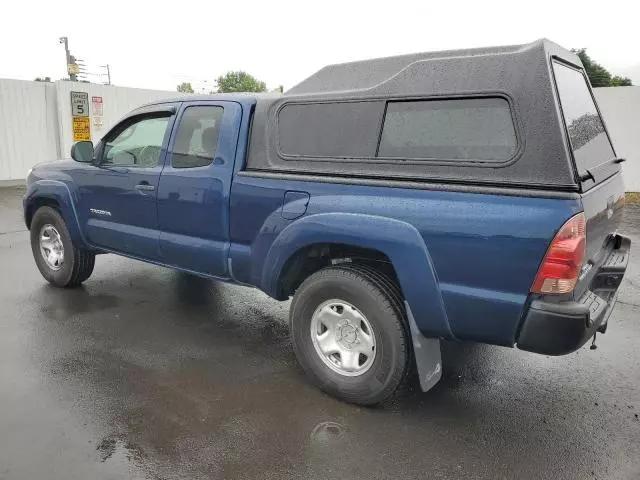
76, 265
368, 300
388, 284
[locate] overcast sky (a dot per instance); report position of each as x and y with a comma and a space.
160, 44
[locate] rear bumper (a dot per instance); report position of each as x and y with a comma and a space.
559, 328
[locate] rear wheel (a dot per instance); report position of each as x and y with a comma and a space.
349, 333
60, 262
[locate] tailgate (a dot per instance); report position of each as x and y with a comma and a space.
603, 212
556, 325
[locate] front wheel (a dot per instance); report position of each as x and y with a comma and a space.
60, 262
350, 333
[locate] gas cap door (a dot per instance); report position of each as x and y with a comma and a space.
294, 204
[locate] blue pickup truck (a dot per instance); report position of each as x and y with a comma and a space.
463, 195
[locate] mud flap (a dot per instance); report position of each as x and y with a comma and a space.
427, 354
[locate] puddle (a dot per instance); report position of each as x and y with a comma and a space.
60, 304
326, 432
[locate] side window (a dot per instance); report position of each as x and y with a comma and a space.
197, 137
137, 143
456, 129
340, 129
474, 129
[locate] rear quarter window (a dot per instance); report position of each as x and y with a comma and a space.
197, 137
589, 141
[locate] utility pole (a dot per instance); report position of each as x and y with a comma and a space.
65, 40
70, 64
108, 73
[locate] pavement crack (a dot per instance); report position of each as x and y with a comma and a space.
13, 231
628, 303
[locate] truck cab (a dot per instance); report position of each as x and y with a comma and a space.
467, 195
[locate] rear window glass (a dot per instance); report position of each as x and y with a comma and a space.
344, 129
589, 141
456, 129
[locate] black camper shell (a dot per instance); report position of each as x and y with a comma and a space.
494, 111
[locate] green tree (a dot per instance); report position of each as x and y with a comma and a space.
598, 75
239, 82
618, 81
185, 87
42, 79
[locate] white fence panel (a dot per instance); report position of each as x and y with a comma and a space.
36, 122
28, 126
620, 107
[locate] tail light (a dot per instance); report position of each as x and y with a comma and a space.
562, 263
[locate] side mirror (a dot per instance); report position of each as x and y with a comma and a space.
82, 152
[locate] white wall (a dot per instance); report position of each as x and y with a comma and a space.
28, 126
620, 107
35, 119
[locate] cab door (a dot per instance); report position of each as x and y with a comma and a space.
193, 193
117, 196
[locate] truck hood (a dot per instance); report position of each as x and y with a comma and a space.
51, 170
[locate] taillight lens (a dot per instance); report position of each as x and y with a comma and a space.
562, 263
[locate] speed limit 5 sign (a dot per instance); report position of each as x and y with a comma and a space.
79, 104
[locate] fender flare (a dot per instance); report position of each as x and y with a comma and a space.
60, 193
398, 240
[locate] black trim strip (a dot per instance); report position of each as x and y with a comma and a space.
380, 129
457, 162
518, 190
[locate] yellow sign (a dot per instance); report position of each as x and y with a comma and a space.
73, 68
81, 129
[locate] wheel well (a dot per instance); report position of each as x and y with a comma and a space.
312, 258
36, 204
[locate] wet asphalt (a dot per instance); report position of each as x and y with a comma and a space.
148, 373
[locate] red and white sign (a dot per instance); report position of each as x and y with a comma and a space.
96, 102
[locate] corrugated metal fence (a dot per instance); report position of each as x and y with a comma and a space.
36, 122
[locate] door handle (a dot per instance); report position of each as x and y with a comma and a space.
145, 187
115, 169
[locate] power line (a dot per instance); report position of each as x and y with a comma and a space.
108, 73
